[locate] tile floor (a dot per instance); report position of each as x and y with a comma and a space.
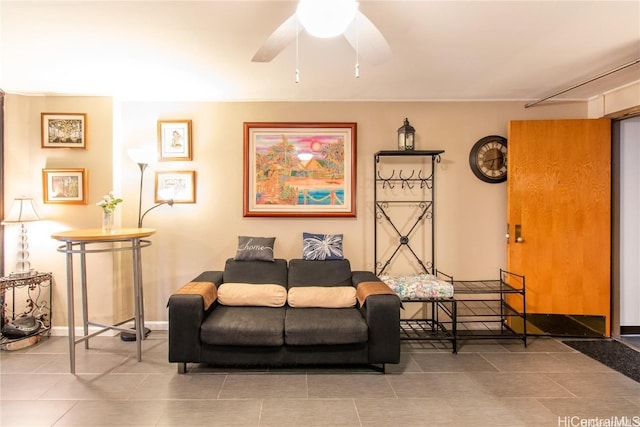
486, 384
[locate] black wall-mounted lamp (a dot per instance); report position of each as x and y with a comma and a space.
406, 136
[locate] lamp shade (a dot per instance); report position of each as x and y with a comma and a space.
23, 210
143, 155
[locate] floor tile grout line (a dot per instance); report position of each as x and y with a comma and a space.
355, 407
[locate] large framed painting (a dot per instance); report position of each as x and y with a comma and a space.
64, 130
65, 186
300, 169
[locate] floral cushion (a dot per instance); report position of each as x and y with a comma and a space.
418, 286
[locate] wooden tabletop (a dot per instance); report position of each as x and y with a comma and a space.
98, 235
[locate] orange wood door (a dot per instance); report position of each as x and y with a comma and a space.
559, 193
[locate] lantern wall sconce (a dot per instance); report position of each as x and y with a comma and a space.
406, 136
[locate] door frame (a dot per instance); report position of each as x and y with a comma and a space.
616, 121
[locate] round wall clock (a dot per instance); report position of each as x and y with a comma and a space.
488, 159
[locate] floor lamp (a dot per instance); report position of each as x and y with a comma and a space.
143, 157
22, 211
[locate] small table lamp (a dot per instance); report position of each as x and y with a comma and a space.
23, 210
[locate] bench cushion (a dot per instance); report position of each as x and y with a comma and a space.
419, 286
324, 326
244, 326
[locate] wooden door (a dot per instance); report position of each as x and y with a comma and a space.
559, 193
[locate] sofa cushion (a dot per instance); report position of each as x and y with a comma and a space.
324, 326
256, 271
321, 246
255, 248
322, 296
250, 294
244, 326
319, 273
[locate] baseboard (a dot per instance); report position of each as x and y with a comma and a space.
63, 331
629, 330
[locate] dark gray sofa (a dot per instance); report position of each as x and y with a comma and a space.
284, 336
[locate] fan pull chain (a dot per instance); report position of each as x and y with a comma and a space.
357, 49
297, 36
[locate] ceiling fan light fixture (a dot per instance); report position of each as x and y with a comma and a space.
326, 18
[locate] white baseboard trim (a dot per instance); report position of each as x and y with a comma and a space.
63, 331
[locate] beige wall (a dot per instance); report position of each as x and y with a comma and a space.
191, 238
25, 160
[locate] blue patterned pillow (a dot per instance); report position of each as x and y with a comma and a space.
321, 246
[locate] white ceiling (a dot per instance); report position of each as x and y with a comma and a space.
202, 50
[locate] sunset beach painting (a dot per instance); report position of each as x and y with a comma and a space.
299, 169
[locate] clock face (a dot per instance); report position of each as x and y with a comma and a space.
488, 159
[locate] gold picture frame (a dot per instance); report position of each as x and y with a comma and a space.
174, 140
67, 186
63, 130
177, 185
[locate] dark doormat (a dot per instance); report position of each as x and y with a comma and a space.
612, 353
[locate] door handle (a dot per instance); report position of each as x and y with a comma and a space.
518, 231
507, 235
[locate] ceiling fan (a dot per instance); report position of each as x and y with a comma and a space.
318, 18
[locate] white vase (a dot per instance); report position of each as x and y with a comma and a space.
107, 221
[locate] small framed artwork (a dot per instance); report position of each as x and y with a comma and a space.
300, 169
174, 140
65, 186
177, 185
64, 130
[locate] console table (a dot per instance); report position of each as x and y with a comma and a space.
89, 241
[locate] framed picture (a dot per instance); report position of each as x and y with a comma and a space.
65, 186
300, 169
174, 140
64, 130
177, 185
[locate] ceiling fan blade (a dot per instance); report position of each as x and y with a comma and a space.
278, 40
371, 44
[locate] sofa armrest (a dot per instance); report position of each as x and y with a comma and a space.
382, 314
186, 314
363, 276
210, 276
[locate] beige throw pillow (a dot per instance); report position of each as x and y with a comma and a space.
247, 294
322, 296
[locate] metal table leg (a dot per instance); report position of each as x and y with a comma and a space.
70, 308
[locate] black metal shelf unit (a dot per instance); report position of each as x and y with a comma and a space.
417, 197
404, 206
492, 309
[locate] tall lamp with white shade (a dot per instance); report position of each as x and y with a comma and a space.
143, 157
22, 211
